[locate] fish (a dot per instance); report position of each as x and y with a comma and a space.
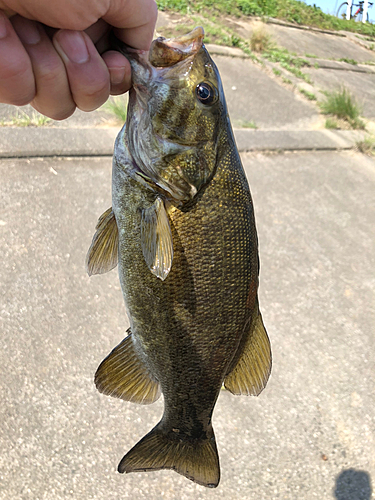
182, 231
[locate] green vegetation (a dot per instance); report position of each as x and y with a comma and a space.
341, 104
118, 107
287, 81
260, 41
310, 96
367, 146
22, 119
289, 62
349, 61
248, 124
332, 123
289, 10
277, 72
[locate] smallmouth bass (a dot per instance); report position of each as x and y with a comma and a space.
182, 232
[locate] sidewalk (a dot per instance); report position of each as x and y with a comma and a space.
308, 436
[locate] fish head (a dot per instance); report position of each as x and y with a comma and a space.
176, 112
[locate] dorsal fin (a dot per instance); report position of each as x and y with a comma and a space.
123, 375
250, 374
103, 252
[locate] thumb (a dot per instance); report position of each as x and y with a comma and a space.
135, 21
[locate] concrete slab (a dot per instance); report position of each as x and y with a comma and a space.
20, 142
319, 44
293, 140
309, 435
253, 96
343, 66
361, 85
47, 142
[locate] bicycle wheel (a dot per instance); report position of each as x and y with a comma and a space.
360, 17
341, 11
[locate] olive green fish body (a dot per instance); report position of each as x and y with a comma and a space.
188, 260
193, 321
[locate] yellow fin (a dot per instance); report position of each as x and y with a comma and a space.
156, 239
196, 459
250, 374
122, 375
103, 252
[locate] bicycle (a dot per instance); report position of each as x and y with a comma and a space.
357, 16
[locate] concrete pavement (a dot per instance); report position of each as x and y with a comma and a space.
310, 433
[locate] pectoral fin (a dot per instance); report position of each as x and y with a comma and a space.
156, 239
103, 252
250, 374
123, 375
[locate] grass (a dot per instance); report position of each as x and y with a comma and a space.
288, 61
248, 124
310, 96
260, 41
118, 107
349, 61
293, 11
22, 119
367, 146
287, 81
332, 123
341, 104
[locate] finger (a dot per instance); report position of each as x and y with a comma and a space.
87, 73
17, 85
136, 22
119, 71
67, 14
53, 97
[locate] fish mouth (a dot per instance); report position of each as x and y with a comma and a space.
168, 52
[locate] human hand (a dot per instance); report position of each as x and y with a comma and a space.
54, 53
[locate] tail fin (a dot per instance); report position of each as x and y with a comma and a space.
196, 459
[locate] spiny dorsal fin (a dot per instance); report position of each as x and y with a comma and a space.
122, 375
252, 370
103, 252
156, 239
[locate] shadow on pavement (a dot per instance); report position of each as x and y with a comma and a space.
353, 484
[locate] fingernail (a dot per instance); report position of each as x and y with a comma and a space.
117, 75
3, 26
73, 45
29, 32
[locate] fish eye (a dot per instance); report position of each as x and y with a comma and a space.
205, 93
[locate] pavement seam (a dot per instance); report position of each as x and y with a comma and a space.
32, 143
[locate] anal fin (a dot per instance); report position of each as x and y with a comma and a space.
122, 375
250, 374
103, 252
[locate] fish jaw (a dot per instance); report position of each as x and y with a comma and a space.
167, 52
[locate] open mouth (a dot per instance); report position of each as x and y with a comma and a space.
167, 52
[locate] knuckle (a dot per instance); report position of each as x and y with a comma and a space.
51, 72
93, 97
17, 84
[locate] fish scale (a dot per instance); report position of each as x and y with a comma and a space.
188, 260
